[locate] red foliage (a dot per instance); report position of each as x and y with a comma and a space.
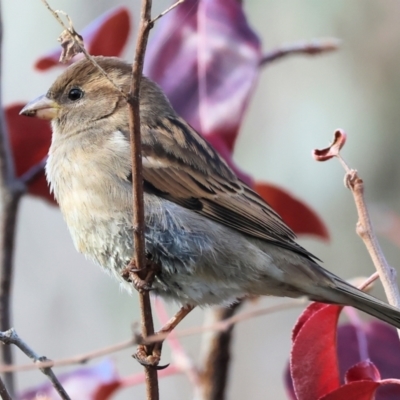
361, 390
106, 36
30, 141
208, 66
333, 149
314, 364
363, 371
375, 341
106, 390
301, 218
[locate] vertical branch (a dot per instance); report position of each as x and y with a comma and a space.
137, 189
11, 192
217, 356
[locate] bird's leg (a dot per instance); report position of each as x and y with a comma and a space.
130, 274
169, 327
154, 358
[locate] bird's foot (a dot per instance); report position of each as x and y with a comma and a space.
149, 354
149, 360
131, 274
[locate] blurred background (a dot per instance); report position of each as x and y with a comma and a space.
63, 305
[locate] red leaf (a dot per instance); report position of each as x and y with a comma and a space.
377, 341
363, 371
334, 148
305, 316
106, 36
206, 57
361, 390
106, 390
313, 361
300, 218
30, 141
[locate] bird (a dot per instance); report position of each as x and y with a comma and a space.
214, 238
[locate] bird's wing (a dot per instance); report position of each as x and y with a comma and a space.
180, 166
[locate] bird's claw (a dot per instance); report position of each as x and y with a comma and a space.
149, 360
141, 285
130, 274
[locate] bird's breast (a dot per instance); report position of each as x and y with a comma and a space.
88, 181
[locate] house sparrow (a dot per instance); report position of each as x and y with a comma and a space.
215, 239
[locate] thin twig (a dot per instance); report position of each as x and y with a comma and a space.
314, 47
78, 359
78, 42
227, 323
181, 358
32, 173
166, 11
11, 196
364, 226
4, 395
365, 285
365, 230
217, 326
137, 190
11, 337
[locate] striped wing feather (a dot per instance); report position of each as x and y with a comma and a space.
187, 171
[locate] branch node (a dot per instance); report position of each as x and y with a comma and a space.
352, 180
361, 230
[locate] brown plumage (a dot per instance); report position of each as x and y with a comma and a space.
214, 237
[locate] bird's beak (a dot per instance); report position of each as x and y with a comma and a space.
42, 107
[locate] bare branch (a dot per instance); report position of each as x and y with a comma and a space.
166, 11
227, 323
314, 47
78, 359
137, 193
367, 284
11, 337
216, 347
181, 358
217, 326
364, 226
4, 395
366, 232
33, 172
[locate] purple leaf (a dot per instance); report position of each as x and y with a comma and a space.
220, 145
380, 343
205, 57
81, 383
363, 371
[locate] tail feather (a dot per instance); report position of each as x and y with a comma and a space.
349, 295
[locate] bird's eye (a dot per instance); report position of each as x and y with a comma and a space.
75, 94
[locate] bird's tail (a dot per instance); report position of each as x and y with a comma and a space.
346, 294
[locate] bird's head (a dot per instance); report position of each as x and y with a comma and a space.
82, 95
